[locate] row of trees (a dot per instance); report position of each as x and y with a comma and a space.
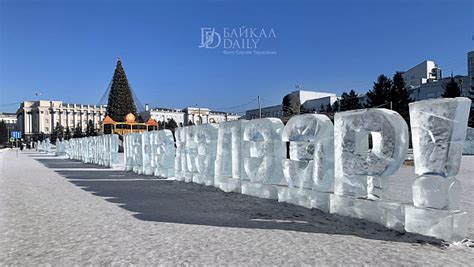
385, 93
59, 133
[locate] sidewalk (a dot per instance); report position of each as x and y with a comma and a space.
63, 212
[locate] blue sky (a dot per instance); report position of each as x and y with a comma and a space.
67, 49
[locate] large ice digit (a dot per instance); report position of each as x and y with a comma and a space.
311, 163
205, 137
263, 153
162, 153
360, 170
229, 166
180, 158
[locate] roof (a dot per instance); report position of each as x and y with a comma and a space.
151, 122
108, 120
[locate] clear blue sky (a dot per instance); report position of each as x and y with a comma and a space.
68, 49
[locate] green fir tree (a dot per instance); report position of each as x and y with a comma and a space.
379, 95
451, 89
120, 101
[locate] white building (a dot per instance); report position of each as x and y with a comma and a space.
311, 101
10, 121
8, 118
188, 115
424, 81
42, 116
422, 73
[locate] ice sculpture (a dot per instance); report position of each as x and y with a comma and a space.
469, 143
309, 171
201, 146
134, 152
162, 153
60, 148
101, 150
263, 153
180, 158
361, 171
438, 133
311, 163
229, 166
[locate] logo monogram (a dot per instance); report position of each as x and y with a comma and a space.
210, 38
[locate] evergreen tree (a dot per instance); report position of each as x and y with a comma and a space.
3, 132
335, 106
171, 125
400, 97
379, 94
90, 130
67, 134
57, 134
322, 109
120, 101
78, 132
451, 89
350, 101
329, 108
291, 106
470, 123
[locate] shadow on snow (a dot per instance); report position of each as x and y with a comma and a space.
152, 199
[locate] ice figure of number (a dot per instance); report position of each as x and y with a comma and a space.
311, 163
263, 150
229, 150
146, 154
180, 158
190, 152
360, 171
205, 138
438, 132
163, 153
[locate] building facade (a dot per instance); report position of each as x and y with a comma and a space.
186, 116
42, 116
10, 121
422, 73
311, 101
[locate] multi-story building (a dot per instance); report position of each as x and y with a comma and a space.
422, 73
10, 121
424, 81
42, 116
188, 115
311, 101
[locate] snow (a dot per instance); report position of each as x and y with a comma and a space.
63, 212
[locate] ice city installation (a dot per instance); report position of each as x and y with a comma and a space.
330, 167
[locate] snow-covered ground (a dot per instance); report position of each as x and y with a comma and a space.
63, 212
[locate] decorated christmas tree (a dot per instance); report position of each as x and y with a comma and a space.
120, 101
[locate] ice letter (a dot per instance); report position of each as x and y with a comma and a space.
311, 163
263, 153
359, 169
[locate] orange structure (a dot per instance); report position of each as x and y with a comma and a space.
128, 126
